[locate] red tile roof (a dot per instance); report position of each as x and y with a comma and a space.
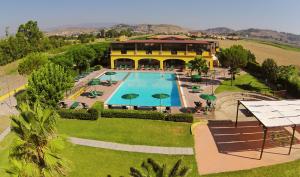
163, 41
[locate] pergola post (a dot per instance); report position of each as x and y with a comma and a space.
237, 113
264, 142
292, 139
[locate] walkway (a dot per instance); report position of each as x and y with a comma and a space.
133, 148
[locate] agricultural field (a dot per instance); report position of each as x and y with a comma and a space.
282, 54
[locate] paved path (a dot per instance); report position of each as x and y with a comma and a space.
4, 133
133, 148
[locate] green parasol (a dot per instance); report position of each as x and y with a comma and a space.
130, 96
94, 82
160, 96
110, 73
208, 97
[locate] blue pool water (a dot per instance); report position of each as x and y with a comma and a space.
117, 77
147, 84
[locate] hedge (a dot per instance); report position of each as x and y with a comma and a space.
152, 115
82, 114
181, 117
138, 114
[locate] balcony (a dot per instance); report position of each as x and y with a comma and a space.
157, 53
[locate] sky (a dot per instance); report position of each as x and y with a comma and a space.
280, 15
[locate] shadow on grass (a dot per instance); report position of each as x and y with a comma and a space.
250, 87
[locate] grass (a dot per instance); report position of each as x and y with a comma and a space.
4, 123
4, 150
88, 161
130, 131
10, 69
282, 54
244, 82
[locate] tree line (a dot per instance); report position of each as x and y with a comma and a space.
28, 38
278, 77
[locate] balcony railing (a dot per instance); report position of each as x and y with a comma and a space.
157, 52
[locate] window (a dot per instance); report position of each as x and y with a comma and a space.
174, 52
123, 51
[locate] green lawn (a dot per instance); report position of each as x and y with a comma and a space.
244, 82
88, 161
130, 131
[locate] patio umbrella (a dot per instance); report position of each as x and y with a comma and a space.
130, 96
110, 74
160, 96
196, 78
94, 82
208, 97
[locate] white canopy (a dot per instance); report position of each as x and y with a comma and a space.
275, 113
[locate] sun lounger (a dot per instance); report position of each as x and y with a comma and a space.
196, 89
156, 67
74, 105
92, 95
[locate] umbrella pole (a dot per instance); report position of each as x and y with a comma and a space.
160, 105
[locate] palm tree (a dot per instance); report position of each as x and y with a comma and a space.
198, 64
152, 169
36, 149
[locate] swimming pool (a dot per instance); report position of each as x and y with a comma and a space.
117, 77
147, 84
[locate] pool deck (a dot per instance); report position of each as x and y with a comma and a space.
184, 80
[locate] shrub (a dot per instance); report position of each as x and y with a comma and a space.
254, 68
81, 114
293, 87
97, 67
153, 115
180, 117
99, 107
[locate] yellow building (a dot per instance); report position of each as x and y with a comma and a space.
161, 53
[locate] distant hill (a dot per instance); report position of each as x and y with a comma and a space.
252, 33
219, 30
262, 34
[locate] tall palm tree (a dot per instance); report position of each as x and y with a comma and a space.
152, 169
199, 64
36, 149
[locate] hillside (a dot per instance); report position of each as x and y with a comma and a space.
262, 34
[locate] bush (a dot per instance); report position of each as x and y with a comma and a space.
293, 87
180, 117
99, 107
97, 67
115, 113
254, 68
82, 114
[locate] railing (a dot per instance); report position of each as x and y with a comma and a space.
157, 52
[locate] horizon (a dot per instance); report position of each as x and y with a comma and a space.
193, 14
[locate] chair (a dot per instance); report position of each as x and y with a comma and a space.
167, 110
198, 107
154, 108
156, 67
63, 104
84, 105
135, 107
98, 93
124, 107
74, 105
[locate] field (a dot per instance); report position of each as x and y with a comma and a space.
282, 54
